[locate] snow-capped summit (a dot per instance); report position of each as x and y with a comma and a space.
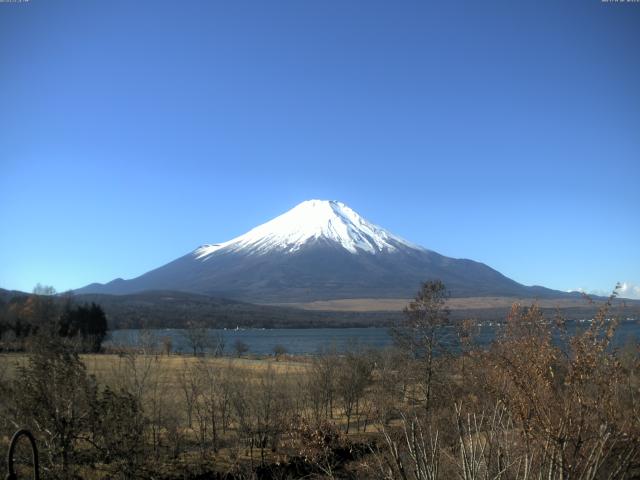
312, 220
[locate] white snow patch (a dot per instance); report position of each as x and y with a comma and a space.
312, 220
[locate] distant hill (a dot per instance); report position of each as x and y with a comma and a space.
6, 295
167, 309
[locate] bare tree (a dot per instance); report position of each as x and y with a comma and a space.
198, 338
279, 351
219, 344
167, 345
388, 390
261, 406
321, 385
188, 381
421, 332
353, 377
210, 403
240, 347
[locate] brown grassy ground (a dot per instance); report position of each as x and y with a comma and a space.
103, 366
470, 303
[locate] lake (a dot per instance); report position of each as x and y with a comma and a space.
310, 341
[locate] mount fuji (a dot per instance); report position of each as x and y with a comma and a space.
319, 250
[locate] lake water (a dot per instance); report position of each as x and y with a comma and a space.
310, 341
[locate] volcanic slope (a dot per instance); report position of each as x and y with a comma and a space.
319, 250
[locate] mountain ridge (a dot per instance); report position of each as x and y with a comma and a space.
319, 250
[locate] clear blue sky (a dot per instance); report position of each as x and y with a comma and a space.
133, 131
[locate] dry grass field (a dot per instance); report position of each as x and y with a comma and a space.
110, 369
469, 303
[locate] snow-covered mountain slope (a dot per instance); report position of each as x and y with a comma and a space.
319, 250
312, 220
